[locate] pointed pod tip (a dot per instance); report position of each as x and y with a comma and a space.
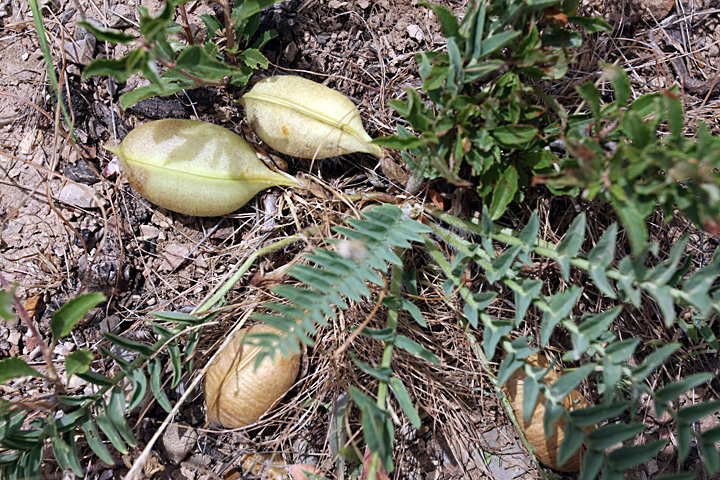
115, 149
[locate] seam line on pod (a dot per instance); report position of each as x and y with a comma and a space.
227, 178
339, 124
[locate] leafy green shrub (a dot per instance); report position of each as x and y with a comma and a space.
185, 66
492, 136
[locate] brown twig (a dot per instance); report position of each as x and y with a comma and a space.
51, 373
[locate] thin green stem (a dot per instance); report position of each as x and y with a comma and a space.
392, 324
242, 269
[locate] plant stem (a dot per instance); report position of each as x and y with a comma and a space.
230, 283
392, 324
229, 25
186, 24
52, 375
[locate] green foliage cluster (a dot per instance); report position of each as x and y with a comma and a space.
172, 66
99, 418
482, 120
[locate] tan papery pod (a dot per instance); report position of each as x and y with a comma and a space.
194, 167
546, 449
302, 118
237, 395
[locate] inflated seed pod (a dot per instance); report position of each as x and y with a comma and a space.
302, 118
237, 395
546, 449
194, 167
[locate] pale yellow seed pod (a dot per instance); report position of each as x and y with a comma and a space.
546, 448
194, 167
302, 118
237, 395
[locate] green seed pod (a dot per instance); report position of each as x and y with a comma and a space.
193, 167
305, 119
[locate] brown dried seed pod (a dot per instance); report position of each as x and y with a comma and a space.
302, 118
546, 449
237, 395
193, 167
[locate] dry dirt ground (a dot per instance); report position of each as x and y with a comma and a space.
69, 224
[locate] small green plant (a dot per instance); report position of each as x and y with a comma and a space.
485, 127
172, 66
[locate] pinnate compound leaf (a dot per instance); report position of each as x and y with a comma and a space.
14, 367
65, 319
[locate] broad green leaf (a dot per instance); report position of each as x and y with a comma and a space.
597, 413
139, 381
65, 319
609, 435
96, 378
570, 245
106, 34
562, 39
7, 313
118, 417
448, 21
590, 93
531, 389
626, 457
591, 25
14, 367
377, 427
572, 441
176, 317
559, 307
675, 389
600, 258
514, 135
619, 79
111, 432
496, 42
403, 398
504, 192
128, 99
568, 382
381, 373
92, 436
689, 415
653, 361
78, 362
248, 8
155, 371
141, 348
414, 311
415, 348
592, 463
525, 292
